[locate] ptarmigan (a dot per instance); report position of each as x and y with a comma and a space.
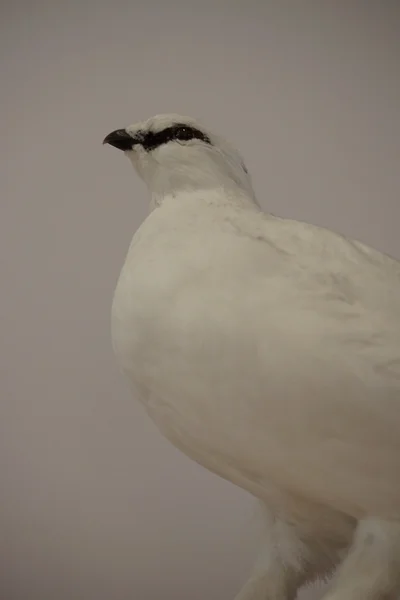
267, 350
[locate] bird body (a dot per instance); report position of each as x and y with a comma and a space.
267, 350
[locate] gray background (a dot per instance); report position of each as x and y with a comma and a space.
94, 503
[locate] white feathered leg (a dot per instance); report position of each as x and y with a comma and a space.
371, 570
286, 561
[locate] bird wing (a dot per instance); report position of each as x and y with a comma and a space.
338, 326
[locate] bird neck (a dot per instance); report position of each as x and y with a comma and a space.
199, 200
207, 178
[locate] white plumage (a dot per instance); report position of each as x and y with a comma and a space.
268, 350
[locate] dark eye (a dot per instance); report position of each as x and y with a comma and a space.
184, 133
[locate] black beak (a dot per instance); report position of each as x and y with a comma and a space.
120, 139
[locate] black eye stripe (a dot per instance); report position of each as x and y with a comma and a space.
179, 131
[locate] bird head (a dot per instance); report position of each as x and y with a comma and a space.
172, 153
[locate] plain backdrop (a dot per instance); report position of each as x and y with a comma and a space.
94, 504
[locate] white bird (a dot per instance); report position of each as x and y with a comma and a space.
267, 350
